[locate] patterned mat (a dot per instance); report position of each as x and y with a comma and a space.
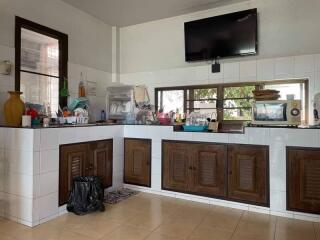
119, 195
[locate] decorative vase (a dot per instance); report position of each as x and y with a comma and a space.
14, 109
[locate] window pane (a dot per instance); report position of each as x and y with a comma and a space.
233, 103
206, 93
237, 114
238, 92
205, 104
172, 100
40, 90
285, 89
39, 53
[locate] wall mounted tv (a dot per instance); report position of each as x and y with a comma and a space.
229, 35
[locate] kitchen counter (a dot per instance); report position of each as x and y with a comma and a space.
29, 186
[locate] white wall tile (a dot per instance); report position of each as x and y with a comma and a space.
19, 139
284, 67
238, 138
231, 72
278, 168
258, 136
49, 183
48, 206
18, 207
49, 139
278, 200
19, 184
118, 164
265, 69
202, 73
156, 166
210, 137
66, 135
248, 71
24, 162
156, 149
156, 181
304, 64
49, 160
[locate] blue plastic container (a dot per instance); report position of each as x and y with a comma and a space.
192, 128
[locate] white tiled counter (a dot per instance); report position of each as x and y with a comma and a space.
29, 165
276, 138
30, 168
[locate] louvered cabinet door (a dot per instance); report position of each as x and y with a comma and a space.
102, 161
303, 179
210, 170
137, 163
176, 166
74, 160
248, 177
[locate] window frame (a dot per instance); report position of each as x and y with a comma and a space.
220, 94
63, 52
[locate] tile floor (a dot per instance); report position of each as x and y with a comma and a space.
152, 217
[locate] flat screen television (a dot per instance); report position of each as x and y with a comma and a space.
229, 35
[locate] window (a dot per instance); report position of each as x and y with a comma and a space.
228, 102
41, 63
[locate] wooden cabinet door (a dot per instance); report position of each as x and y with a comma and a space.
74, 160
248, 178
210, 169
137, 165
303, 179
102, 161
176, 166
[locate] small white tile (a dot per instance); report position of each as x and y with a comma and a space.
156, 166
20, 162
18, 207
304, 64
231, 72
156, 181
202, 73
183, 136
48, 206
238, 138
303, 138
49, 160
3, 138
210, 137
248, 71
118, 164
306, 217
284, 67
278, 168
258, 136
49, 139
67, 135
49, 183
278, 200
118, 146
19, 184
156, 149
265, 69
19, 139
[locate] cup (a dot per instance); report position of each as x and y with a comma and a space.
26, 121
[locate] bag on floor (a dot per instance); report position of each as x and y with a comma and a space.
86, 196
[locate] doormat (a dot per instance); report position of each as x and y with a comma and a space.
119, 195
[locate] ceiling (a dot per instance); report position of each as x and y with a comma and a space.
130, 12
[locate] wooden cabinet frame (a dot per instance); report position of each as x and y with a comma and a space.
227, 172
293, 177
149, 141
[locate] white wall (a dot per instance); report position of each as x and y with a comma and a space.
286, 28
90, 43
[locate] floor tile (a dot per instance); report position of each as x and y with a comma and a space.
150, 217
127, 233
210, 233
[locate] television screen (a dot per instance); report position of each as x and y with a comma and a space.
223, 36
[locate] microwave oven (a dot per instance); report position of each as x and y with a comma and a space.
277, 112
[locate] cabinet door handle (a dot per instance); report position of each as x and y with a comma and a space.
190, 168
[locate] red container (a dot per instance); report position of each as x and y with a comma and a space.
164, 121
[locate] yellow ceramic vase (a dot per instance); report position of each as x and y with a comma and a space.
14, 108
